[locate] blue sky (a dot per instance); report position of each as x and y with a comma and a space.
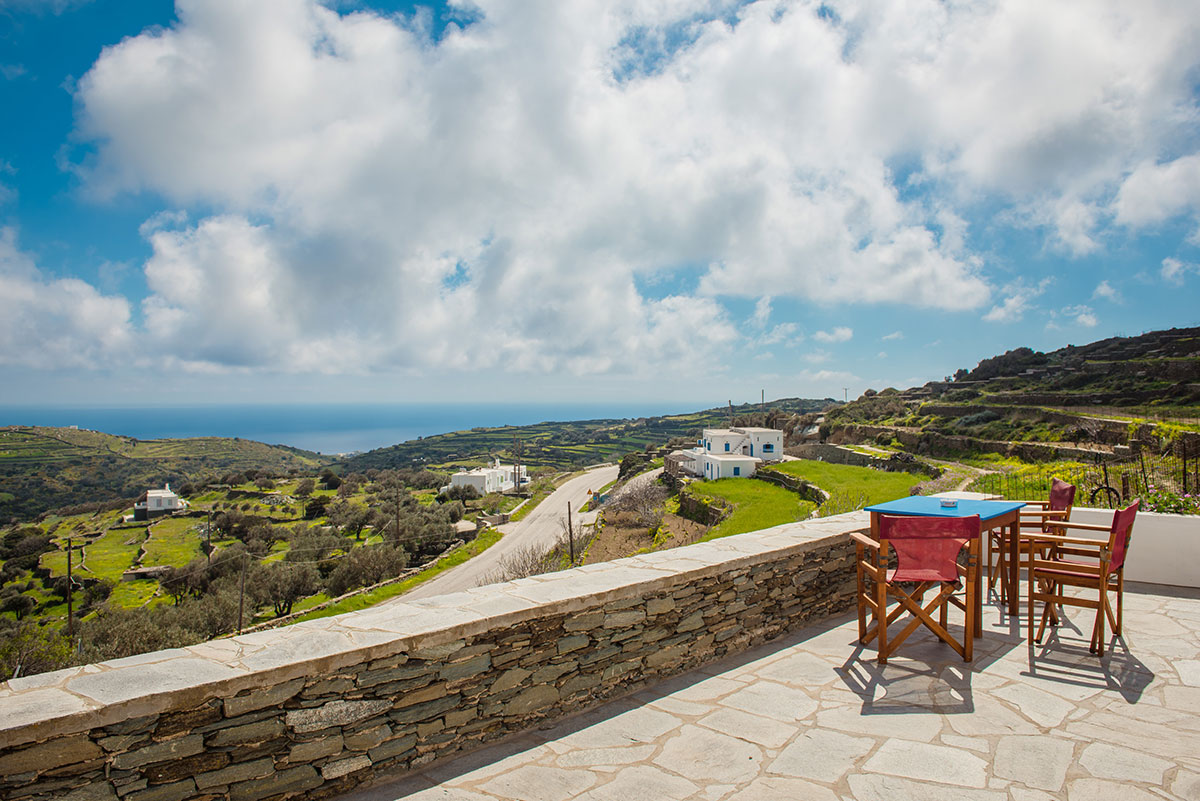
291, 201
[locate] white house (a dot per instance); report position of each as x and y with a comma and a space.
494, 478
158, 502
729, 452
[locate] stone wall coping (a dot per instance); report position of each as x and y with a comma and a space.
81, 698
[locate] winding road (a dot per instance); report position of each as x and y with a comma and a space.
541, 528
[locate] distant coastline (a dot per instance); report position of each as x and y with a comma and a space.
324, 428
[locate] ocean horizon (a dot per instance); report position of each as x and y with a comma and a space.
325, 428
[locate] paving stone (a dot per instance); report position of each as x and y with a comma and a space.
775, 788
745, 726
875, 787
923, 728
589, 757
1186, 785
1113, 762
1101, 790
641, 783
1039, 762
821, 754
640, 725
539, 783
927, 762
773, 701
703, 755
1039, 706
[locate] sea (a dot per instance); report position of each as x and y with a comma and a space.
339, 428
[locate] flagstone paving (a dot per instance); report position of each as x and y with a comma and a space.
812, 716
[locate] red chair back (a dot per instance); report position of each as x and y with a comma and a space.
1118, 537
1062, 495
927, 547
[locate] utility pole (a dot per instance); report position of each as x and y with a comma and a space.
763, 401
242, 595
208, 537
397, 517
70, 594
845, 394
570, 534
731, 414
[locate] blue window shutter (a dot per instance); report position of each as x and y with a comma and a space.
726, 446
737, 471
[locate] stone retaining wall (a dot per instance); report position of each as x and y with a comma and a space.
313, 709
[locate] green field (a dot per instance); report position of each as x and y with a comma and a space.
756, 505
174, 541
871, 486
114, 552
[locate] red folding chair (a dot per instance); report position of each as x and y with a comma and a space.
927, 552
1058, 561
1036, 516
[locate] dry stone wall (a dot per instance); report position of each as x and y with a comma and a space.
312, 710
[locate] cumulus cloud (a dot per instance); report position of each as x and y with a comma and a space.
362, 196
1020, 300
48, 322
1105, 290
839, 334
1174, 270
893, 335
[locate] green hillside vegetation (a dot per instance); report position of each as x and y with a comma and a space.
570, 445
756, 505
47, 468
301, 541
863, 484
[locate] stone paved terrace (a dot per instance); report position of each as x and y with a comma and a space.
812, 716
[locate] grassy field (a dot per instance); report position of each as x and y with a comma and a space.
174, 541
487, 539
114, 552
873, 486
756, 505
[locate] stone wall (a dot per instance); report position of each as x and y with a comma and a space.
311, 710
896, 463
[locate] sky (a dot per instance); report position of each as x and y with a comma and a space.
291, 201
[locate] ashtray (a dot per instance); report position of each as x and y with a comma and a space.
949, 503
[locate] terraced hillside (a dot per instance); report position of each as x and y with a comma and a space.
44, 468
565, 445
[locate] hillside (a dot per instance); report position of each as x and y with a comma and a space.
45, 468
566, 445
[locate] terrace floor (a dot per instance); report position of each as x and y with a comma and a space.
812, 716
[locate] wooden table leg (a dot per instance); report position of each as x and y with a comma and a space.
1014, 566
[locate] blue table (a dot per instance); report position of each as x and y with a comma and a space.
992, 514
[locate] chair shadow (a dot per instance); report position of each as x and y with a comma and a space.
1068, 661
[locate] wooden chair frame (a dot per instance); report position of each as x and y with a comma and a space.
872, 564
1036, 516
1052, 569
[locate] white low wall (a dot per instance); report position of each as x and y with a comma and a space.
1165, 548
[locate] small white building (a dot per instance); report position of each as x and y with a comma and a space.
729, 453
494, 478
158, 502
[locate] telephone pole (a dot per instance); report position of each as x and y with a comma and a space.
570, 534
242, 595
70, 594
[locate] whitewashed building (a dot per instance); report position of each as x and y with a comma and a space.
158, 502
493, 478
728, 453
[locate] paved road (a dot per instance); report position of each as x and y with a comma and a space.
540, 528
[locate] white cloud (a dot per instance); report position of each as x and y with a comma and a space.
817, 357
1020, 300
1154, 193
374, 199
839, 334
47, 322
1174, 270
1105, 290
1083, 315
893, 335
